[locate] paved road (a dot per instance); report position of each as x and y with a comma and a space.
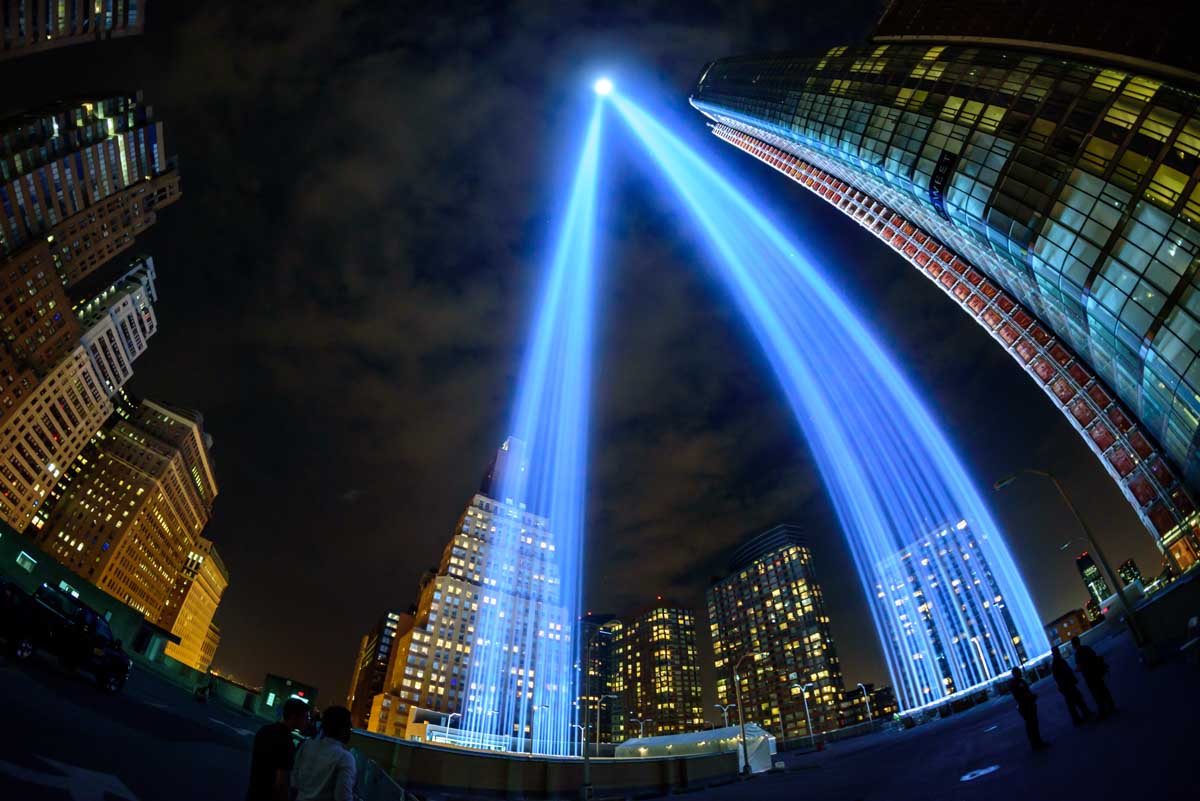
1148, 750
61, 738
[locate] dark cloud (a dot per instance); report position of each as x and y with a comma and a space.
368, 187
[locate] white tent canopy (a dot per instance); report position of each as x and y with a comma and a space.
760, 745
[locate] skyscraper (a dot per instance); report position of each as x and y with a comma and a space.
1129, 573
375, 656
432, 667
1042, 171
31, 26
659, 668
1093, 579
198, 591
130, 509
771, 605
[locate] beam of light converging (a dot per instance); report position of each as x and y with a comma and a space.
948, 602
522, 679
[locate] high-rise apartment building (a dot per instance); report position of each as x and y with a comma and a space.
431, 667
1093, 579
375, 654
1129, 573
655, 657
31, 26
131, 508
768, 616
602, 686
118, 323
198, 588
1042, 172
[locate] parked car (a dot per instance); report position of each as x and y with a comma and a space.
50, 620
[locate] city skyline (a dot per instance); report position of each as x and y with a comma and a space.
338, 424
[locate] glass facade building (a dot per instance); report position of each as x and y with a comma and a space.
1097, 584
1054, 198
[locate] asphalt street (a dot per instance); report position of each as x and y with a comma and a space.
65, 739
1147, 750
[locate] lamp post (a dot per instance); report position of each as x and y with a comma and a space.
725, 711
1134, 628
866, 698
641, 722
585, 791
598, 703
447, 718
807, 717
582, 735
533, 723
737, 689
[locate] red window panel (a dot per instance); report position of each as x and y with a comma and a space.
1122, 460
1060, 354
1182, 502
1102, 436
934, 269
989, 289
1142, 489
1162, 519
1026, 350
1099, 396
1063, 389
959, 266
1079, 374
993, 318
945, 255
1039, 334
1082, 411
961, 291
977, 303
948, 278
922, 258
1022, 318
1139, 444
1008, 333
920, 237
1161, 472
974, 277
909, 229
933, 246
1119, 419
1006, 304
1044, 370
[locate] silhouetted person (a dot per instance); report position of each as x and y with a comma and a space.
325, 768
1093, 668
1027, 706
274, 753
1068, 685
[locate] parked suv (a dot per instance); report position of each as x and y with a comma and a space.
53, 621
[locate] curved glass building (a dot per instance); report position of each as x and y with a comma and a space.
1050, 189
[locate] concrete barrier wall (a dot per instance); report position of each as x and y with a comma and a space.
437, 772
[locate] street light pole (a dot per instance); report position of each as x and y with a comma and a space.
807, 717
447, 718
725, 711
737, 689
598, 703
533, 725
866, 698
1134, 628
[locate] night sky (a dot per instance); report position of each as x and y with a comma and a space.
345, 286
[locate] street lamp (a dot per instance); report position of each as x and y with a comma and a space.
582, 735
737, 689
1134, 628
807, 717
641, 722
725, 711
533, 723
447, 718
866, 698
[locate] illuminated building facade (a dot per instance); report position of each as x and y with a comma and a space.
118, 323
855, 709
200, 586
1063, 628
1051, 192
659, 673
1129, 573
771, 604
1093, 579
955, 630
130, 509
432, 665
372, 662
32, 26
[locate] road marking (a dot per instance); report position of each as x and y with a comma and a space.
81, 784
991, 728
975, 774
244, 732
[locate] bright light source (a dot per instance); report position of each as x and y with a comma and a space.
603, 86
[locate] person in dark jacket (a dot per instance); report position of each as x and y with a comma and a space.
274, 754
1027, 706
1093, 669
1068, 685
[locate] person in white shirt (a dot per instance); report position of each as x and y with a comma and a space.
325, 768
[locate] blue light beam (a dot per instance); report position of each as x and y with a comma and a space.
522, 679
948, 602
